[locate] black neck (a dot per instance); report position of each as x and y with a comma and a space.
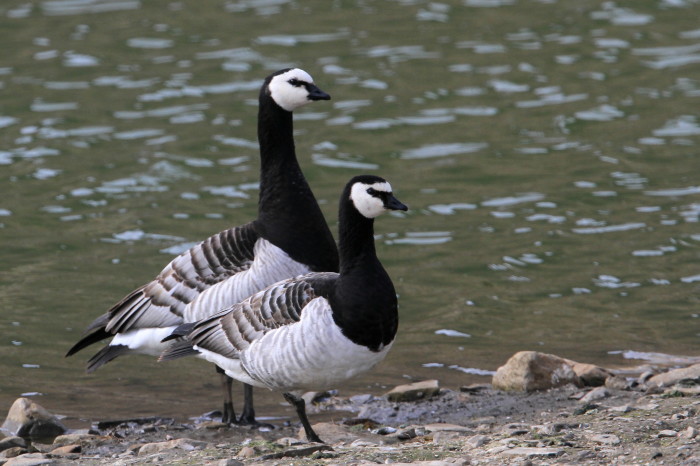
288, 214
364, 303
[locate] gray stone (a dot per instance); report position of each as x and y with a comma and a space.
12, 442
69, 439
439, 427
617, 383
445, 436
589, 374
529, 371
675, 376
228, 462
28, 419
596, 394
534, 452
181, 443
667, 434
12, 452
67, 450
476, 441
414, 391
30, 459
605, 439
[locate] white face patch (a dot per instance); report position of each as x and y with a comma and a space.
368, 205
287, 95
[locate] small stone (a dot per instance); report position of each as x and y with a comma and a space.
12, 452
406, 434
439, 427
181, 443
617, 382
675, 376
288, 441
530, 452
28, 419
67, 450
596, 394
476, 441
529, 371
445, 437
12, 442
621, 409
515, 429
297, 452
228, 462
667, 434
30, 459
247, 452
689, 433
69, 439
385, 430
212, 425
606, 439
414, 391
589, 374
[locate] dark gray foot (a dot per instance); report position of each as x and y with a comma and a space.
300, 406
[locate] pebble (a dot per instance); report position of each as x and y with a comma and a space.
529, 452
667, 433
247, 452
11, 442
605, 439
596, 394
689, 433
476, 441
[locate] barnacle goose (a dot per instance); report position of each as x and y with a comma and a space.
289, 237
316, 330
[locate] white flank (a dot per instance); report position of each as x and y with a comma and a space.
310, 354
144, 341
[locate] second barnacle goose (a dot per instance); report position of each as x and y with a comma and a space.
289, 237
313, 331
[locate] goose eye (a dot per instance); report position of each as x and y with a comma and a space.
371, 191
294, 82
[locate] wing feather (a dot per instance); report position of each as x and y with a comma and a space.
233, 329
161, 302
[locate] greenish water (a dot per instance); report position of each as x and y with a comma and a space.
548, 151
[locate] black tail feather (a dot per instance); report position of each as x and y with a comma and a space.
180, 331
96, 336
105, 355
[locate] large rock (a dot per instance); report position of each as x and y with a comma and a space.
672, 377
414, 391
28, 419
529, 371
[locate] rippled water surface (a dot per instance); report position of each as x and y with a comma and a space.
548, 151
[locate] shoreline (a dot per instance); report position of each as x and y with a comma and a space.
623, 421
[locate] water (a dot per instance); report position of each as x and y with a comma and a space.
547, 151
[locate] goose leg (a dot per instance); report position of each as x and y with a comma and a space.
300, 406
228, 415
248, 414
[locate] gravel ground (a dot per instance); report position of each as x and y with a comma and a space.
472, 425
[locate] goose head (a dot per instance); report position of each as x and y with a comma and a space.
372, 195
291, 88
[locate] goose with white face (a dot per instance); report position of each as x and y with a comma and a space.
373, 199
293, 88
